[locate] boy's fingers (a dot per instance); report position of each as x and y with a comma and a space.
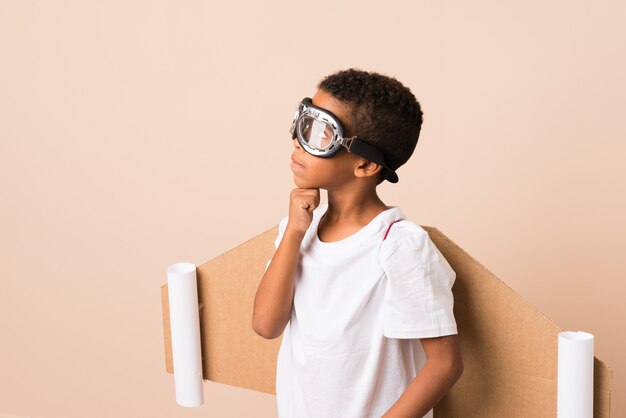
310, 196
313, 192
302, 204
307, 204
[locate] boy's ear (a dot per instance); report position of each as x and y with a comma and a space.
366, 168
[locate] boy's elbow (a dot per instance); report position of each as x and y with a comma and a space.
263, 330
451, 368
455, 363
459, 369
456, 369
259, 329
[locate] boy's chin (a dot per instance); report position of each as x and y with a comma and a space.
301, 183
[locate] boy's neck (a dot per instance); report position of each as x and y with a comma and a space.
353, 206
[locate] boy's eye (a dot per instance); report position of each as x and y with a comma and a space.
316, 133
325, 137
306, 129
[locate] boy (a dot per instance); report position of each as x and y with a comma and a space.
366, 308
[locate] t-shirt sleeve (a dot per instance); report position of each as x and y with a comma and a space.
281, 230
418, 300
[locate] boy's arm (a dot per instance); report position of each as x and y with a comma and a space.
274, 296
444, 366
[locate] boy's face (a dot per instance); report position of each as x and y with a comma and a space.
311, 171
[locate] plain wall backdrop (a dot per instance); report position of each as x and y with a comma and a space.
136, 134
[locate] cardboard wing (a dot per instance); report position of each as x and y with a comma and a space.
509, 347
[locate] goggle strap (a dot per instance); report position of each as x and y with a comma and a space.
367, 151
373, 154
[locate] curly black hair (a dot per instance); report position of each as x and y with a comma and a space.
382, 110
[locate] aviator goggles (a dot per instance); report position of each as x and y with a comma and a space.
320, 133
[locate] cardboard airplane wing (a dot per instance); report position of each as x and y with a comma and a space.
509, 348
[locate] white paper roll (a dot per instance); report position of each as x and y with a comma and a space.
185, 333
575, 375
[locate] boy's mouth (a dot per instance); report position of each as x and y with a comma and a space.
295, 162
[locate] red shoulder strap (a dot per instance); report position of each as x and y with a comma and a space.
389, 227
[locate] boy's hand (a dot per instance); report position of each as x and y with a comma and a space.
301, 205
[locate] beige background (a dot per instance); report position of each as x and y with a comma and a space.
135, 134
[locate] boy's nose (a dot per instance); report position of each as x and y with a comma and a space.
296, 143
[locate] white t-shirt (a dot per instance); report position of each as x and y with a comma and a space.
360, 306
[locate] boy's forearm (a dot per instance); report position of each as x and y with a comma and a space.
274, 296
425, 390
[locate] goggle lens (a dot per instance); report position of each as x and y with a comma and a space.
316, 133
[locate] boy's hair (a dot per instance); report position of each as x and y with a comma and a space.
382, 111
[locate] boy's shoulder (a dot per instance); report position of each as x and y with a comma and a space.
407, 242
405, 229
